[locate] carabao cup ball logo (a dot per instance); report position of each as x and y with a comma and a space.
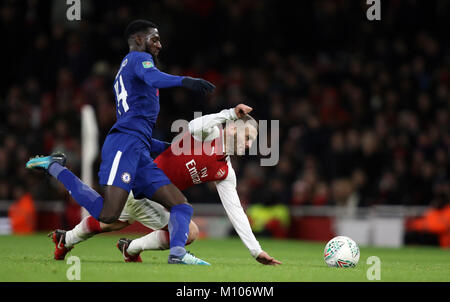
331, 248
341, 251
353, 248
126, 178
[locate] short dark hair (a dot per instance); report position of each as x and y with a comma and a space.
138, 26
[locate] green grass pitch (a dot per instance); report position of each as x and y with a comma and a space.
29, 258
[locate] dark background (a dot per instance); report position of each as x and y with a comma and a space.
363, 105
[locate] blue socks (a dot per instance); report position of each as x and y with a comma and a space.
84, 195
180, 218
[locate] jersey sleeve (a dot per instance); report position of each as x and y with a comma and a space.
205, 127
146, 70
232, 204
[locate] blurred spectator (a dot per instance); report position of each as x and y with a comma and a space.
22, 213
433, 228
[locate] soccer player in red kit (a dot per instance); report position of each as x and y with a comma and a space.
201, 155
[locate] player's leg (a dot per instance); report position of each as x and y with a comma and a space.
180, 216
82, 193
115, 226
120, 156
152, 183
159, 240
106, 209
115, 199
169, 196
88, 227
152, 215
156, 240
193, 232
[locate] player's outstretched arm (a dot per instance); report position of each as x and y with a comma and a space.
202, 128
159, 79
146, 70
266, 259
199, 85
232, 205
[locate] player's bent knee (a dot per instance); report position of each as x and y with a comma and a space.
193, 232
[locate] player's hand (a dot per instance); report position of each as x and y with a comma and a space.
242, 110
265, 259
199, 85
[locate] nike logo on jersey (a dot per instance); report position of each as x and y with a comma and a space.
220, 173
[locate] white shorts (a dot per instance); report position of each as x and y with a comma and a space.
151, 214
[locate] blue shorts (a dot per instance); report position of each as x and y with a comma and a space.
126, 163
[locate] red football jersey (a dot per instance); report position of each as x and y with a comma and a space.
185, 171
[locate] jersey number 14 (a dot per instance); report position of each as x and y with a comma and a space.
122, 96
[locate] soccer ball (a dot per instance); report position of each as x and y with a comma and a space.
341, 251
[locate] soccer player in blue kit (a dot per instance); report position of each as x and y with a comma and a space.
126, 162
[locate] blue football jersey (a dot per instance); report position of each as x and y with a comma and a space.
136, 89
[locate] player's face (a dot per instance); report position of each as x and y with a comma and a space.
153, 42
240, 138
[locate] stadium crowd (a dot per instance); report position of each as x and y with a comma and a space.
363, 106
